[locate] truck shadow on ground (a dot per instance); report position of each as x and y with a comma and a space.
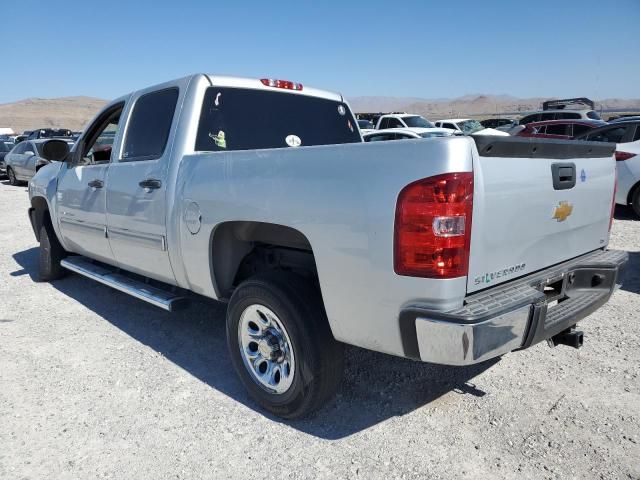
376, 387
631, 276
624, 212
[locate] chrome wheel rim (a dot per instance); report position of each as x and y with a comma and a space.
266, 349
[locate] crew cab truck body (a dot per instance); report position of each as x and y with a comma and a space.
450, 250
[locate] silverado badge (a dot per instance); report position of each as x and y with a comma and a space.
562, 211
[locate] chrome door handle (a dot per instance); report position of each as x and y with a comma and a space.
150, 184
96, 183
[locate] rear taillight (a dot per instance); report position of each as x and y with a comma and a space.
622, 156
433, 227
286, 84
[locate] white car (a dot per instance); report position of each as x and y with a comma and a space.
626, 136
404, 133
403, 120
365, 126
469, 127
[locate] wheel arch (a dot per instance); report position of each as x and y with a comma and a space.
235, 243
39, 214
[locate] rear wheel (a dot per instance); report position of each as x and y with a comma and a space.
635, 201
12, 176
50, 255
281, 345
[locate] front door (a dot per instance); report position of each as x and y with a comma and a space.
81, 199
136, 186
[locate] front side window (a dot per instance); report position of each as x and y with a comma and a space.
98, 142
384, 123
149, 126
593, 115
20, 148
246, 119
395, 123
567, 115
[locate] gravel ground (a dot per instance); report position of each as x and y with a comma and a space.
95, 384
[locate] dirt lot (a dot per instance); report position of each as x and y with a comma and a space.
94, 384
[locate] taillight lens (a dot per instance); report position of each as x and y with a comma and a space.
433, 227
622, 156
286, 84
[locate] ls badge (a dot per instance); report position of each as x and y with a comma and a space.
562, 211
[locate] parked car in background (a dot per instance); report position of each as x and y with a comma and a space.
557, 110
365, 126
405, 133
626, 136
632, 118
468, 126
50, 133
559, 128
5, 147
25, 159
403, 120
20, 138
499, 123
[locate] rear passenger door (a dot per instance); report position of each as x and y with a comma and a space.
137, 184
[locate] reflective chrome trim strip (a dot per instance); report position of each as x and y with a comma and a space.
81, 225
147, 240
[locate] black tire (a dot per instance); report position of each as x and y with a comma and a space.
50, 254
635, 201
12, 177
319, 358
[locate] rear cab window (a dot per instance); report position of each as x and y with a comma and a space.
245, 119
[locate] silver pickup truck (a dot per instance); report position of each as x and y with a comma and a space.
261, 193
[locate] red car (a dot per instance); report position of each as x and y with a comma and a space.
559, 128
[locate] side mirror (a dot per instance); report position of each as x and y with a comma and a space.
55, 150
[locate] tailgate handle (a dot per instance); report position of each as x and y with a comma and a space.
564, 175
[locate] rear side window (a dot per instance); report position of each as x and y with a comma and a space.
612, 135
149, 126
244, 119
384, 123
568, 115
560, 129
530, 118
548, 116
395, 123
580, 129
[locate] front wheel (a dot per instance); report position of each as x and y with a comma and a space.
281, 345
50, 255
12, 177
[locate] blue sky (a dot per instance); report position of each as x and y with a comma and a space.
426, 49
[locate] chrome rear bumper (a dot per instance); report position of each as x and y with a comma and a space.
514, 315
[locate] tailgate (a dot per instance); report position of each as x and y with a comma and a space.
537, 202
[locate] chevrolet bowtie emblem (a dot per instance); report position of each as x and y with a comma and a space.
562, 211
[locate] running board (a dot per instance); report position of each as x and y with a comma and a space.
109, 276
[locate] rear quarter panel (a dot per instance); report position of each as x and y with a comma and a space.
343, 199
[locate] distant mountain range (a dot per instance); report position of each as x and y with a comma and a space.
67, 112
75, 112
